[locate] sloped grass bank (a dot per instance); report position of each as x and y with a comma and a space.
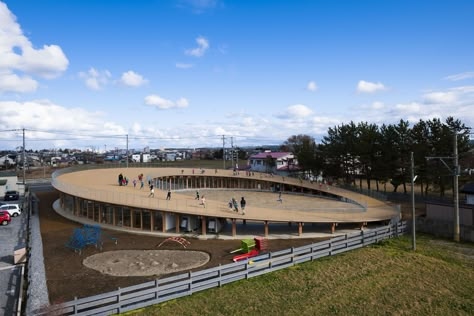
384, 279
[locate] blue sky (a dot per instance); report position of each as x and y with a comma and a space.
185, 72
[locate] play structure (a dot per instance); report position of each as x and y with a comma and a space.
183, 242
88, 235
250, 248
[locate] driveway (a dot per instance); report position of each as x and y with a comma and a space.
11, 236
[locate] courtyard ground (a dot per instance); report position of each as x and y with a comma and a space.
67, 277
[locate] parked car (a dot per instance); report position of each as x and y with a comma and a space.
12, 209
11, 196
5, 218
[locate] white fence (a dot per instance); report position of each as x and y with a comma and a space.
161, 290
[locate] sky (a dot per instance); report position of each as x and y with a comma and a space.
182, 73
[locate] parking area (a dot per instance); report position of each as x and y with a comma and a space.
11, 236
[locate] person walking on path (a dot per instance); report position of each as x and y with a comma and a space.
236, 205
197, 195
142, 183
134, 183
168, 196
203, 201
152, 191
279, 198
242, 205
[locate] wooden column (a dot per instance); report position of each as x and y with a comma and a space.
132, 218
266, 228
177, 223
87, 209
141, 219
300, 229
114, 221
163, 221
203, 225
152, 220
234, 227
333, 228
100, 212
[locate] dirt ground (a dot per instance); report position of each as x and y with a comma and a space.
67, 277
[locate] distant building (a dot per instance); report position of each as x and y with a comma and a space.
282, 162
468, 189
6, 160
8, 182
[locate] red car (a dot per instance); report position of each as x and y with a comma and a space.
5, 218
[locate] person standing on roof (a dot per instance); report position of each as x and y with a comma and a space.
242, 205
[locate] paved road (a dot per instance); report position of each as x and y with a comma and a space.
11, 236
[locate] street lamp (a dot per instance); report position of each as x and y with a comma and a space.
413, 219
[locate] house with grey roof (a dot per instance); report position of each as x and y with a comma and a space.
274, 162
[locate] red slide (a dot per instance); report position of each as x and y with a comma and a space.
252, 253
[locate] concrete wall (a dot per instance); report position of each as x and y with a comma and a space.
445, 212
439, 221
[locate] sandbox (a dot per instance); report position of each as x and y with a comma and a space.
145, 262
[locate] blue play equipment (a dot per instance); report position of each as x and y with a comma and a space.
88, 235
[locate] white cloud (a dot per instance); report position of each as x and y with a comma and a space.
297, 111
164, 104
47, 116
203, 45
369, 87
95, 79
184, 66
182, 103
17, 54
10, 82
132, 79
406, 108
440, 97
312, 86
461, 76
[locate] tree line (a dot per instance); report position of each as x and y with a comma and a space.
369, 152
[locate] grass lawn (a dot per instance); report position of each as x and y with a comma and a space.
383, 279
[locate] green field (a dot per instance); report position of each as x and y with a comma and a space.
383, 279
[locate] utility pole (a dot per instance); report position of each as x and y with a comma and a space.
232, 151
24, 167
456, 189
127, 150
413, 219
223, 150
455, 173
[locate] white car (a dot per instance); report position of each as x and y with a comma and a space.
12, 209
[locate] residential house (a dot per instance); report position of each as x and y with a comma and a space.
282, 162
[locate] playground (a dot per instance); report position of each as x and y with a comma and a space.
67, 275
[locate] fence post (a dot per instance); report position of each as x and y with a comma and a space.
270, 260
246, 268
75, 306
219, 274
292, 256
190, 287
119, 309
157, 289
